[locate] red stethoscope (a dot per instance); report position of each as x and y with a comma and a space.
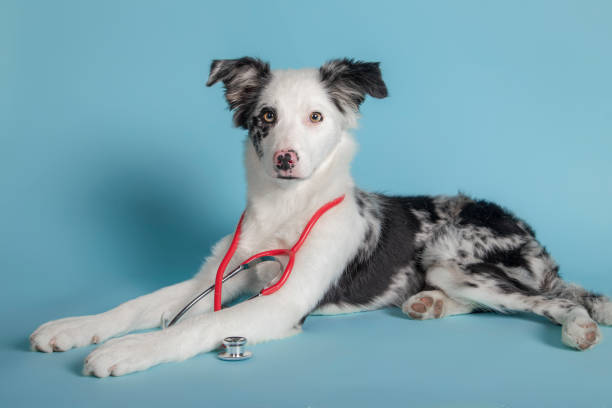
254, 260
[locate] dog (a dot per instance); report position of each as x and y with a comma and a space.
432, 256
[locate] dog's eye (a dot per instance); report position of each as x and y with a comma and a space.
269, 117
316, 117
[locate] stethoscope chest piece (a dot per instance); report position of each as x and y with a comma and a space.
234, 349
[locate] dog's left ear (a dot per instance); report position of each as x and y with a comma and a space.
243, 79
348, 81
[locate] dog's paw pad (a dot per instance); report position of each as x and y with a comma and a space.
424, 305
418, 307
427, 300
581, 333
590, 336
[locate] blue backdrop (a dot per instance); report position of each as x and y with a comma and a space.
114, 183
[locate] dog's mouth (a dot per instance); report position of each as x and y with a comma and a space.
288, 177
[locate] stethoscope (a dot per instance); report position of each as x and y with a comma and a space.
234, 345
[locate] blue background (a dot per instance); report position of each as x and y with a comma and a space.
117, 174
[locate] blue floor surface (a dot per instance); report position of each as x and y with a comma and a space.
367, 359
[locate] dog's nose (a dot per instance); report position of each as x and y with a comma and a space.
285, 160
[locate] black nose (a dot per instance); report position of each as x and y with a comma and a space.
286, 160
283, 161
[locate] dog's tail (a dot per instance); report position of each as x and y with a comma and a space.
598, 306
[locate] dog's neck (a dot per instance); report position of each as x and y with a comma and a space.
270, 198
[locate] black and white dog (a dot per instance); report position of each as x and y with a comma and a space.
431, 256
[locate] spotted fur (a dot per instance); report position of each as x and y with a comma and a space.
258, 130
487, 247
349, 81
243, 79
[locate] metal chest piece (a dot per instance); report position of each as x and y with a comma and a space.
234, 349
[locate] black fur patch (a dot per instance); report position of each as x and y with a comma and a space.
371, 274
482, 213
258, 130
512, 258
505, 283
360, 202
528, 228
348, 81
243, 78
422, 203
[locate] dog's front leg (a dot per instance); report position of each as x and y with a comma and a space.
260, 319
141, 313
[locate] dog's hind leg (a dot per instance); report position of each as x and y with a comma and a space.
489, 286
598, 306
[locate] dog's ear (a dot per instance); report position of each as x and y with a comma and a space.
243, 79
348, 81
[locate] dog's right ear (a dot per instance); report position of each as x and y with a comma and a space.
243, 79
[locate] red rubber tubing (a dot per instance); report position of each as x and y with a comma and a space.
289, 252
272, 252
226, 260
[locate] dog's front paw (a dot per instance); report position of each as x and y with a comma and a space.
64, 334
135, 352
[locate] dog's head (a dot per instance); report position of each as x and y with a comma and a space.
295, 118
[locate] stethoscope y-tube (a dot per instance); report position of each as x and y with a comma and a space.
240, 268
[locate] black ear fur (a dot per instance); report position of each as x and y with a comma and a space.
348, 81
243, 79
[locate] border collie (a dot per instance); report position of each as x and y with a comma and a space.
432, 256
